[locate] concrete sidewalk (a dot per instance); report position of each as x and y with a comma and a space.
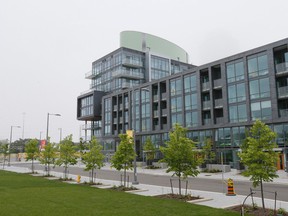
212, 199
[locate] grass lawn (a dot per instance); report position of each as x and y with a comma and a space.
25, 195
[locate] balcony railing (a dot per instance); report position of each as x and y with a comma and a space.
156, 113
217, 83
133, 63
283, 112
89, 75
219, 120
164, 96
218, 103
205, 86
281, 68
155, 98
207, 121
283, 92
206, 104
128, 73
164, 112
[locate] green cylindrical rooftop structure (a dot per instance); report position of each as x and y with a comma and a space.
146, 42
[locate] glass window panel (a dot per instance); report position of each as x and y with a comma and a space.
255, 111
241, 95
242, 113
232, 94
254, 89
233, 113
266, 109
252, 65
194, 101
264, 87
194, 119
262, 63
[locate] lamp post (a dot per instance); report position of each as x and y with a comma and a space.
40, 135
48, 114
11, 131
60, 129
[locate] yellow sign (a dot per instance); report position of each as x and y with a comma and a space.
129, 133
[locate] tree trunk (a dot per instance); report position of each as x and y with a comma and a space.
262, 197
179, 186
92, 173
48, 171
125, 176
32, 166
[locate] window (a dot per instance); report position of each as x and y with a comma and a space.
257, 65
237, 113
261, 110
176, 118
191, 101
175, 87
176, 104
190, 83
259, 88
236, 93
191, 119
235, 71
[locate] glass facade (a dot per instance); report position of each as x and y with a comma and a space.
87, 106
257, 65
235, 71
218, 100
261, 110
159, 67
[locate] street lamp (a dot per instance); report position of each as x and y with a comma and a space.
48, 114
11, 142
60, 134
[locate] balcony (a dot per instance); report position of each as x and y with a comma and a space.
205, 86
281, 68
207, 121
156, 127
164, 96
283, 112
218, 103
206, 105
155, 114
282, 92
164, 126
155, 98
128, 74
219, 120
115, 121
217, 83
89, 75
132, 63
164, 112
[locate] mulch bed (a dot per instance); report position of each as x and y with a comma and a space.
122, 188
184, 198
258, 211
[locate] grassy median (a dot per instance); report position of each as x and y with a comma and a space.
25, 195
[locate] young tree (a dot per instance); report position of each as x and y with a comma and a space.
32, 151
180, 155
124, 156
149, 150
258, 155
67, 154
93, 159
48, 156
4, 149
207, 151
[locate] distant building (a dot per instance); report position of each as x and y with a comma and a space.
218, 100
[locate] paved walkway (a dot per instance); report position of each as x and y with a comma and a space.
212, 199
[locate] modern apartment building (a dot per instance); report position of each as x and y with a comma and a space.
218, 100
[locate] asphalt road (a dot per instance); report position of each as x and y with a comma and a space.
204, 184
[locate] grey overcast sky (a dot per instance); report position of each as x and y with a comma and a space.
47, 46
